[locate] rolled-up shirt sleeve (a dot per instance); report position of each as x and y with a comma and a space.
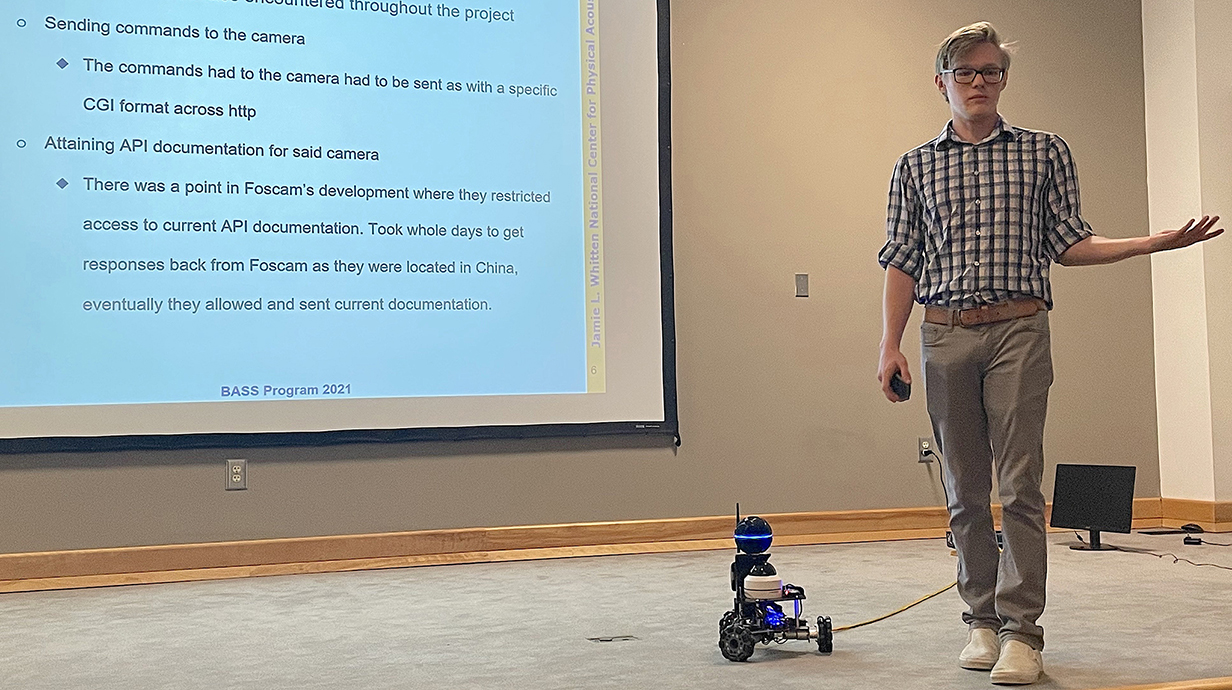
904, 247
1064, 224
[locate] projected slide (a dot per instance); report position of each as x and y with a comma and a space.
220, 201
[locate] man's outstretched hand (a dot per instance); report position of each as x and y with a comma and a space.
1193, 232
892, 361
1103, 250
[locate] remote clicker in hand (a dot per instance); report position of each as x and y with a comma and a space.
900, 387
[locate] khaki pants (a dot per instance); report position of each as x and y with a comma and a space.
987, 389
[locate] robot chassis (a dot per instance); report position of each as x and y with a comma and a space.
757, 614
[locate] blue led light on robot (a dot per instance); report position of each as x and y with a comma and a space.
753, 544
774, 618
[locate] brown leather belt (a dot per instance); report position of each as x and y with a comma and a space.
989, 313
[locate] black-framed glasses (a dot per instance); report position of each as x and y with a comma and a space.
966, 75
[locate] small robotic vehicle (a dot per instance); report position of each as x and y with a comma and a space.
758, 615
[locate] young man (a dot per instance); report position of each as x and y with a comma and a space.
976, 217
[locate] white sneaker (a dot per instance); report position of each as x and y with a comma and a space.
982, 650
1020, 664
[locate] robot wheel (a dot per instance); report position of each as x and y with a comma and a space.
825, 635
736, 642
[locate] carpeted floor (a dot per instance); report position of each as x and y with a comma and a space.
1112, 619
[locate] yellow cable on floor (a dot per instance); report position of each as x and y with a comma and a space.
921, 600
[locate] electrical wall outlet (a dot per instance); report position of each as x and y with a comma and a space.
926, 449
237, 475
801, 285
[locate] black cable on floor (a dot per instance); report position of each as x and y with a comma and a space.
1166, 554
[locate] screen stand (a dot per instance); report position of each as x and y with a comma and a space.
1093, 545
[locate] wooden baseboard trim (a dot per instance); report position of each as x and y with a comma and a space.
222, 560
1213, 516
445, 542
225, 573
1199, 684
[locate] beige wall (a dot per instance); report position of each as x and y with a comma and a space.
1189, 145
1174, 173
788, 118
1214, 19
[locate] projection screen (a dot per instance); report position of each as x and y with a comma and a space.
313, 221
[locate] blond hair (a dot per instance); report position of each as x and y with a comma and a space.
963, 40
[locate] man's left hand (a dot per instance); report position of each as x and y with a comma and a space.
1193, 233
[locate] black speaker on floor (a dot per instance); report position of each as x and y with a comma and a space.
1096, 498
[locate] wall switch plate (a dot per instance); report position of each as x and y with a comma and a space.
926, 449
237, 475
801, 285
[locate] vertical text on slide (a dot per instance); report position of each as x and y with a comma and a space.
592, 172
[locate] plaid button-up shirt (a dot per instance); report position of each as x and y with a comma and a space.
981, 223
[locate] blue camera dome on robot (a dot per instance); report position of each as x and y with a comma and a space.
753, 535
